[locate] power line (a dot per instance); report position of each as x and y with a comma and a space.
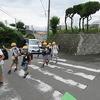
43, 7
6, 12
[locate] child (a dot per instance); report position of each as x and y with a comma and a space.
14, 53
26, 60
1, 63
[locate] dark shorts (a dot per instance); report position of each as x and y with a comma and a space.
25, 65
46, 57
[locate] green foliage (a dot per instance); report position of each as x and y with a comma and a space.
30, 35
2, 25
84, 10
51, 35
20, 25
8, 35
13, 25
92, 7
54, 21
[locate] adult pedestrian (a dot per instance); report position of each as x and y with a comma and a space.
1, 66
15, 52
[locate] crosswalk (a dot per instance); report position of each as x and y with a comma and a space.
74, 76
8, 93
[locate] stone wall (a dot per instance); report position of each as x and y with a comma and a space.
78, 44
68, 43
89, 44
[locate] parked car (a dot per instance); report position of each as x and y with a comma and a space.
33, 46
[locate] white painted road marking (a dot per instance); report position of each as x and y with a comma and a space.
90, 77
79, 67
64, 60
66, 81
5, 90
43, 87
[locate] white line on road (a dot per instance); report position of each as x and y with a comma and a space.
64, 60
79, 67
43, 87
5, 90
66, 81
90, 77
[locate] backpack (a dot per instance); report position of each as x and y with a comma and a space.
5, 54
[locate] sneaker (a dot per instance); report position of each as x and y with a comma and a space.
42, 66
15, 69
1, 83
9, 72
25, 75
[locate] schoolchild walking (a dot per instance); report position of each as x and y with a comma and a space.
1, 66
50, 49
46, 55
54, 51
26, 60
15, 52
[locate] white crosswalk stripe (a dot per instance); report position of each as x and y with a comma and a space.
79, 67
66, 81
44, 87
90, 77
6, 90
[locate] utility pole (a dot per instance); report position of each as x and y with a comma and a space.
48, 20
6, 22
15, 23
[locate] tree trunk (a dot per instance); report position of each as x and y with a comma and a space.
66, 23
79, 24
87, 23
83, 24
72, 24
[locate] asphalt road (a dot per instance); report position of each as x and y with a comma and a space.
77, 75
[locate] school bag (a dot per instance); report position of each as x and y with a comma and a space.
5, 54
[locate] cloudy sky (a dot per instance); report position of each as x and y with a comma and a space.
31, 12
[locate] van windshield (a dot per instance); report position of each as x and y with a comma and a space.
34, 42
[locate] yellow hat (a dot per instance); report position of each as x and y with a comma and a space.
44, 43
13, 44
54, 43
49, 43
25, 47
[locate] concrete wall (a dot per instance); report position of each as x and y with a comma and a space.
89, 44
78, 44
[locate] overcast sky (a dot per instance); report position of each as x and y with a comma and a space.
31, 12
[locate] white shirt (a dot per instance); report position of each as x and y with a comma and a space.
55, 49
1, 62
14, 50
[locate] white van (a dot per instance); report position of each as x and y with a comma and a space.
33, 46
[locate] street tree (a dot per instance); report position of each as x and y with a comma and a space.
69, 14
54, 21
79, 10
89, 9
20, 25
